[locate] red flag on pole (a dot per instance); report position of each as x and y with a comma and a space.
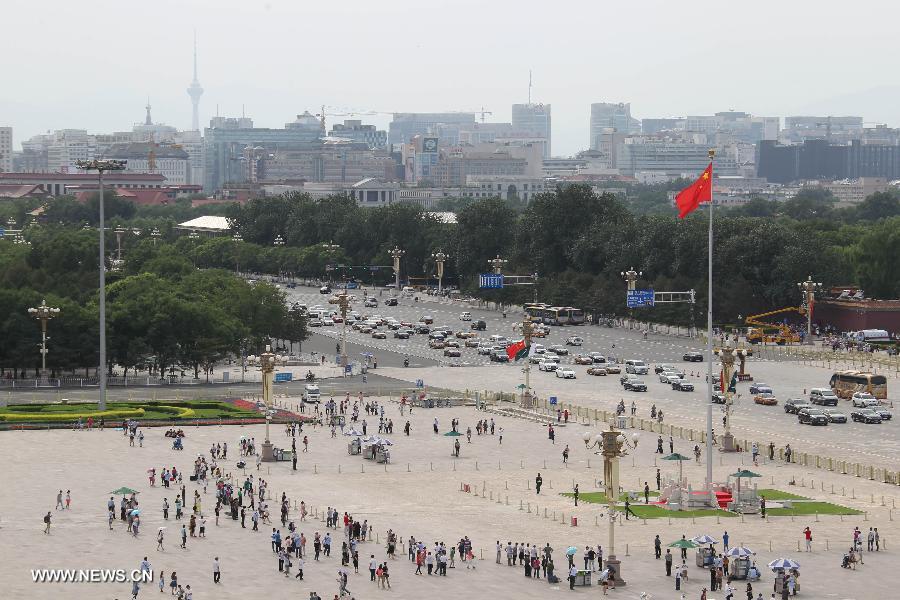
690, 197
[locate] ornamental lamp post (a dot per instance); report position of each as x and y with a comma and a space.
809, 288
278, 242
631, 277
155, 235
497, 264
43, 313
727, 356
343, 302
439, 259
527, 332
101, 166
396, 254
330, 248
267, 361
237, 238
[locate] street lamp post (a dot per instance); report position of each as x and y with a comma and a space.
497, 264
631, 277
809, 288
102, 166
343, 302
330, 248
613, 445
396, 254
278, 243
439, 258
237, 239
43, 313
527, 331
727, 356
155, 235
267, 361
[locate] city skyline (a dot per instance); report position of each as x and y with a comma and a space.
415, 64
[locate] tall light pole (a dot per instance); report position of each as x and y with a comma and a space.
237, 239
43, 313
727, 356
809, 288
330, 248
343, 302
267, 361
527, 331
155, 235
101, 166
497, 264
439, 258
396, 253
631, 277
278, 242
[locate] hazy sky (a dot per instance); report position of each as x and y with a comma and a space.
93, 64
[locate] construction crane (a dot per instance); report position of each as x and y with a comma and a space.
784, 336
360, 113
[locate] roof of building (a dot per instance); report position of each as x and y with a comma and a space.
13, 190
142, 150
206, 223
81, 177
141, 197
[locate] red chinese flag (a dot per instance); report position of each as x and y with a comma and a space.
690, 197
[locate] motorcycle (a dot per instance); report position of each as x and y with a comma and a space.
405, 362
310, 376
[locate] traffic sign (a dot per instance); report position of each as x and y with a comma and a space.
639, 298
490, 281
2, 232
374, 268
553, 400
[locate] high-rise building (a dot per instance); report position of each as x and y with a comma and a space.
195, 91
355, 131
611, 116
5, 149
170, 161
406, 126
533, 120
820, 159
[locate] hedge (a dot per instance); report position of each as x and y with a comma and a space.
60, 417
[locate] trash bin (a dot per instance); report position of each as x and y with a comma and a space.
574, 521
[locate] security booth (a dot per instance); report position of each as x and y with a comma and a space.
705, 556
354, 447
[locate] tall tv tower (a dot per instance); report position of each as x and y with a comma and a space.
195, 91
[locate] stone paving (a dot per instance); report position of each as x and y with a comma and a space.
417, 494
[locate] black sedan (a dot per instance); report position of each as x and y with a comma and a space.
390, 302
795, 405
682, 385
884, 413
693, 357
865, 415
635, 385
812, 416
718, 398
834, 415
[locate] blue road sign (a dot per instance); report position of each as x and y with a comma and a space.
279, 377
639, 298
420, 383
553, 400
490, 281
2, 232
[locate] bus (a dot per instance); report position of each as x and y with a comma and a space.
562, 315
847, 383
535, 311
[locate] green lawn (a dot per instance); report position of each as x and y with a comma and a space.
644, 511
600, 497
812, 508
779, 495
117, 411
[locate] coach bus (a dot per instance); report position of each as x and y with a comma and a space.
535, 311
562, 315
847, 383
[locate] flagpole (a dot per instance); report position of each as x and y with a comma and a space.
709, 338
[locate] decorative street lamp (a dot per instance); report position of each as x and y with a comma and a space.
497, 264
613, 445
237, 239
330, 249
267, 361
118, 262
101, 166
631, 277
527, 328
43, 313
155, 235
193, 236
343, 302
728, 355
279, 241
809, 288
439, 258
396, 253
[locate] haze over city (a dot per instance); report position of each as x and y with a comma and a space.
276, 59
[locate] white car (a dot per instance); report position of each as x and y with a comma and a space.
574, 341
547, 366
864, 400
565, 373
536, 359
538, 349
328, 322
466, 316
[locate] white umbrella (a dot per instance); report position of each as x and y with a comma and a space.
740, 552
704, 539
784, 563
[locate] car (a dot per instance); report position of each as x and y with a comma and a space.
325, 289
540, 331
465, 335
366, 328
311, 393
454, 352
884, 413
795, 405
535, 359
390, 302
478, 326
401, 334
371, 302
596, 371
485, 348
637, 367
394, 325
665, 376
466, 316
472, 343
337, 319
766, 399
865, 415
328, 322
437, 344
613, 368
682, 385
597, 357
565, 373
559, 350
834, 415
422, 328
499, 356
547, 357
693, 357
760, 388
718, 398
583, 359
547, 366
315, 323
635, 385
812, 416
823, 396
624, 377
574, 341
451, 343
379, 335
427, 319
661, 368
864, 400
436, 335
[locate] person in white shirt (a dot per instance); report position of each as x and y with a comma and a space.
217, 571
572, 573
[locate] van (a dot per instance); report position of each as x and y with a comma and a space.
823, 396
311, 393
498, 339
637, 367
313, 315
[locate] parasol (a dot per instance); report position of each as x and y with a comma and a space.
784, 563
571, 551
124, 491
743, 473
740, 552
704, 539
683, 544
680, 458
452, 433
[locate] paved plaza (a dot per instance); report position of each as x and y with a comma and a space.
419, 494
